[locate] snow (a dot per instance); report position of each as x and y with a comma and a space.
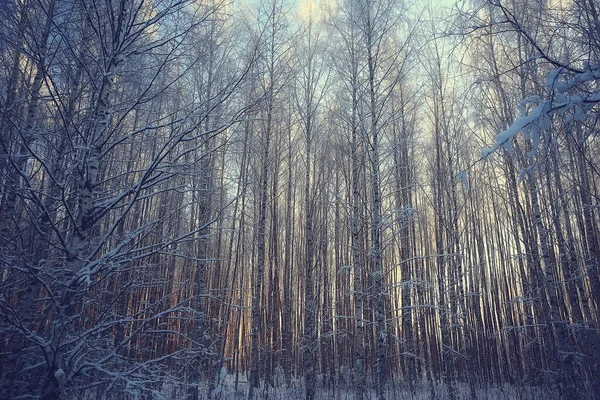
552, 78
59, 373
566, 96
344, 389
503, 138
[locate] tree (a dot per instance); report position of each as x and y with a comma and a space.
272, 78
565, 100
309, 95
92, 220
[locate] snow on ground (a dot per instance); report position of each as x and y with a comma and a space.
396, 391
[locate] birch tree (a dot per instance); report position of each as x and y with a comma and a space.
309, 94
98, 221
272, 77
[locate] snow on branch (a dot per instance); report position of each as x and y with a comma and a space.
575, 94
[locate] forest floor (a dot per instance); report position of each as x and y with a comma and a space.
396, 391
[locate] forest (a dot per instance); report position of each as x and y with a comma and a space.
278, 199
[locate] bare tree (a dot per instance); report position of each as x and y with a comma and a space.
97, 216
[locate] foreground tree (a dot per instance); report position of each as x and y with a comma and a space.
93, 239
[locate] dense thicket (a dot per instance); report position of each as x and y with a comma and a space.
357, 194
